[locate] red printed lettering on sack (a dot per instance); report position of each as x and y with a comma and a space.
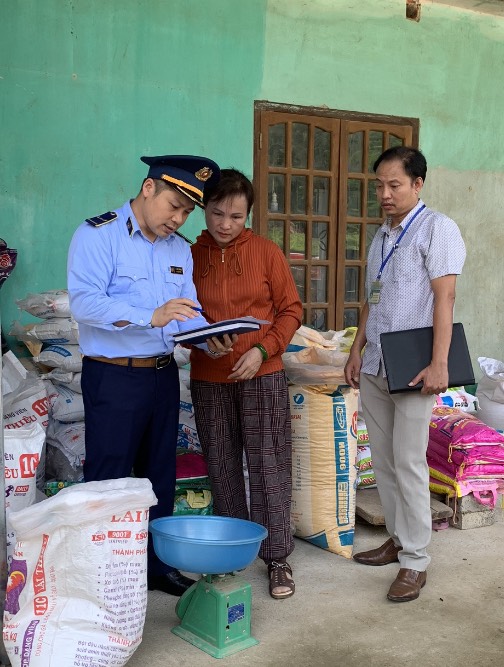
41, 407
28, 464
40, 605
119, 534
98, 538
135, 516
39, 579
27, 419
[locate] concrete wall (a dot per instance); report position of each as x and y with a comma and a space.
88, 87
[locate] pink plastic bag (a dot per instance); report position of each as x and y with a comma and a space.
455, 428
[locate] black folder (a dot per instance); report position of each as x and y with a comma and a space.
406, 353
238, 325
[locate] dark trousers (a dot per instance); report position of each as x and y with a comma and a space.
131, 420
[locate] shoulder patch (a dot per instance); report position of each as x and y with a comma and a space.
102, 219
184, 238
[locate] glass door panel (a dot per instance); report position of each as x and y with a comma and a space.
322, 150
276, 233
319, 240
297, 240
276, 193
276, 145
300, 145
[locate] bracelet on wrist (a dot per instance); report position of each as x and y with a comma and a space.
262, 350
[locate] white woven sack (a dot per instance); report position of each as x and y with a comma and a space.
77, 588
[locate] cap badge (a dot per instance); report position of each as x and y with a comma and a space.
203, 174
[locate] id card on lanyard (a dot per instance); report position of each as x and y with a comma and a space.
376, 285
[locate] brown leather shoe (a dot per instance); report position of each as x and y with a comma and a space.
407, 585
387, 553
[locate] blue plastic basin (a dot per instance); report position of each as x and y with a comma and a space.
206, 544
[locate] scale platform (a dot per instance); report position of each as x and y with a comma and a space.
215, 615
215, 612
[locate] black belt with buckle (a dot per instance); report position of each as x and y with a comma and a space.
138, 362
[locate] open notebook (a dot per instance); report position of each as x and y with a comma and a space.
406, 353
235, 326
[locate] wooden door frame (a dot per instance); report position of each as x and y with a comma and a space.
261, 159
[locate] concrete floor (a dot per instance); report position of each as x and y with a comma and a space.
340, 616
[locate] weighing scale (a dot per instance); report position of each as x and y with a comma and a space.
215, 612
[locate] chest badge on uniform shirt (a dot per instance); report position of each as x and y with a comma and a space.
177, 269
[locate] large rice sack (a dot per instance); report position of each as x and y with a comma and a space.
28, 405
23, 449
324, 472
77, 588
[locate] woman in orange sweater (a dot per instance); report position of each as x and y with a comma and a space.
241, 401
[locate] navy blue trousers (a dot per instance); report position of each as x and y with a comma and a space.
131, 424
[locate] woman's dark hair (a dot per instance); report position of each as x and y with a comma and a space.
413, 161
232, 183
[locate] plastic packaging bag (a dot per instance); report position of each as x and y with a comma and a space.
53, 303
23, 449
333, 340
315, 366
490, 392
65, 451
52, 331
66, 357
66, 405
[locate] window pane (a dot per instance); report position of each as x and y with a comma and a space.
370, 234
319, 319
320, 196
276, 145
394, 141
354, 197
319, 240
375, 148
298, 194
299, 145
355, 152
373, 208
318, 277
276, 193
299, 273
276, 233
351, 284
322, 150
297, 248
352, 241
350, 317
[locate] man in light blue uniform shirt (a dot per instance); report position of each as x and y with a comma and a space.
413, 264
131, 288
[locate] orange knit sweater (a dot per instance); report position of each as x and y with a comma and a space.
249, 277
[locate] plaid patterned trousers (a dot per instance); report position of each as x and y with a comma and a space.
252, 417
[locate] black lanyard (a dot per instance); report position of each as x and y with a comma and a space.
396, 244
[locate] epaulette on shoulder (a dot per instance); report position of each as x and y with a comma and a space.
184, 237
102, 219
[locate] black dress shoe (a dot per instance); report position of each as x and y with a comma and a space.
172, 583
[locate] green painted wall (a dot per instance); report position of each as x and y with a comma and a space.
88, 87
